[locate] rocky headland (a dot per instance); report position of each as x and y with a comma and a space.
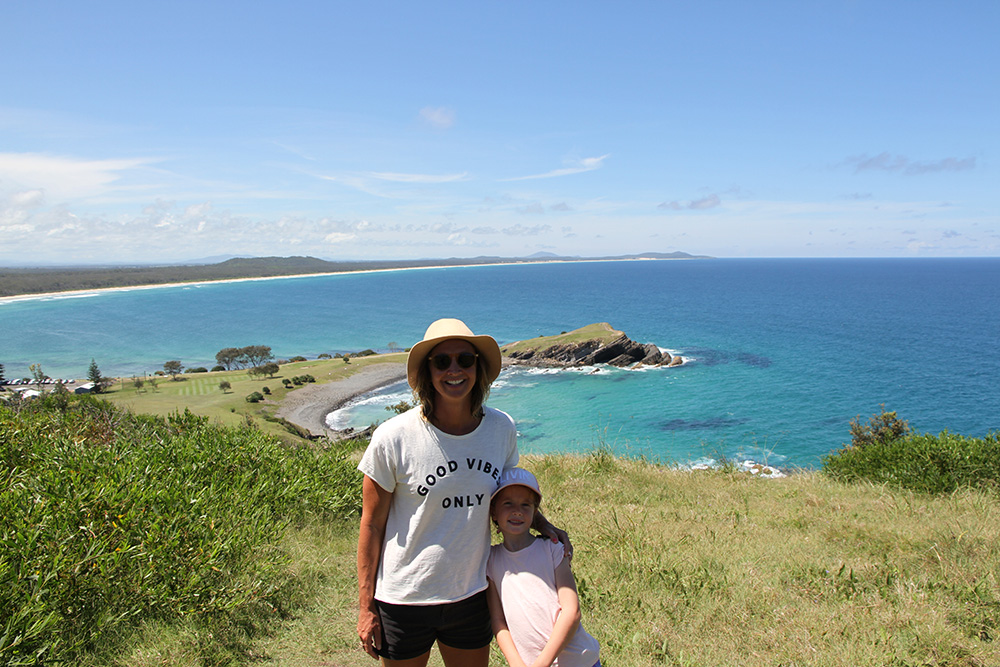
594, 344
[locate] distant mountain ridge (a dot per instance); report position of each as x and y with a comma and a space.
23, 281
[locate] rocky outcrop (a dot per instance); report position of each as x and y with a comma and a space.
620, 351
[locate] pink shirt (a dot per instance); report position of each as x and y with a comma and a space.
526, 582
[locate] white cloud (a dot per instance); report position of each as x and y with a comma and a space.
65, 177
441, 118
581, 166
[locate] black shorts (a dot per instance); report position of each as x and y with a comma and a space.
411, 630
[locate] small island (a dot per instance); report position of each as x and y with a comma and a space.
590, 345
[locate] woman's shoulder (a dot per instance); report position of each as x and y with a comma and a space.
401, 423
498, 416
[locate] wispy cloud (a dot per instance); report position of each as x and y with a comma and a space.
65, 177
904, 165
441, 118
705, 203
580, 166
418, 178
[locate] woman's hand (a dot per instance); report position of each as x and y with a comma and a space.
370, 630
543, 526
375, 502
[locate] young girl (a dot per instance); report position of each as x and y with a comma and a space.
534, 607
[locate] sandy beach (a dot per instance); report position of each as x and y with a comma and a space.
308, 407
98, 290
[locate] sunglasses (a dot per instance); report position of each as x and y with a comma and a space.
442, 362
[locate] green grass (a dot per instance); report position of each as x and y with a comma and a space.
717, 569
200, 393
599, 331
136, 541
113, 521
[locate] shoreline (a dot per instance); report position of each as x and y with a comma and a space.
308, 407
69, 294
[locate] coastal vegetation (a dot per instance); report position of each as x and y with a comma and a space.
114, 520
20, 281
145, 540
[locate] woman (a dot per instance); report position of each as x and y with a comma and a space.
428, 477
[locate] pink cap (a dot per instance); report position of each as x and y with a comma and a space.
517, 477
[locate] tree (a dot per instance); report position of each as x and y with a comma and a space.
229, 357
137, 382
393, 346
173, 368
38, 374
257, 355
94, 377
225, 386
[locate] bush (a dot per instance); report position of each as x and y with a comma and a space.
197, 369
297, 358
919, 462
217, 368
112, 520
266, 390
255, 397
882, 429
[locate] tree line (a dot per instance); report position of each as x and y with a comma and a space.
16, 281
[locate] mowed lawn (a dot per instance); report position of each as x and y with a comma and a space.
201, 393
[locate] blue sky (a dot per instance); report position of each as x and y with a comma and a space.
162, 132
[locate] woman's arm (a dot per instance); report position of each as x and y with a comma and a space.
375, 502
543, 526
568, 619
500, 629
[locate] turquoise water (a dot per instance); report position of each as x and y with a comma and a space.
782, 353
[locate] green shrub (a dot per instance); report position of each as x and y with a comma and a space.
919, 462
112, 520
297, 358
882, 428
255, 397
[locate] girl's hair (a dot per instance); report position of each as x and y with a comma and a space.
425, 393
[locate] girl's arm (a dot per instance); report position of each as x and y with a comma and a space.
500, 630
543, 526
375, 502
568, 619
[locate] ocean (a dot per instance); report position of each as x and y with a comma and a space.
780, 354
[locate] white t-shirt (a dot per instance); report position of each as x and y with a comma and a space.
526, 582
437, 535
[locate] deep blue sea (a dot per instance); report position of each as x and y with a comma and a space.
781, 353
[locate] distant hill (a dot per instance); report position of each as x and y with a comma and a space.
21, 281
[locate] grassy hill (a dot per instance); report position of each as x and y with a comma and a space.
201, 394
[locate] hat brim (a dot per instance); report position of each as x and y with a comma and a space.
487, 347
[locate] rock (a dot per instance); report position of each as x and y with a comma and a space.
620, 351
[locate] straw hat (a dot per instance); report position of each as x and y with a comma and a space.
447, 329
